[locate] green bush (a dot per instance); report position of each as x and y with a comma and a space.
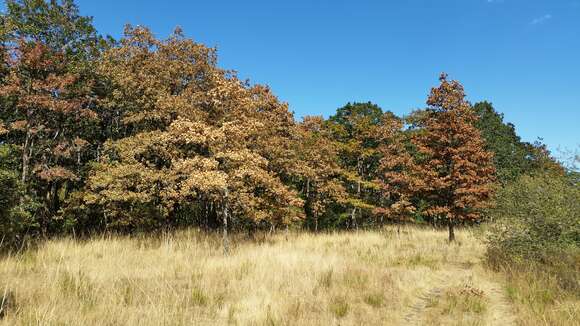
15, 219
537, 225
9, 193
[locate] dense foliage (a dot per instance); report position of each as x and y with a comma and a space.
144, 133
536, 216
512, 157
535, 239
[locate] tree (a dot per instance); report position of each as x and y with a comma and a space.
396, 171
320, 172
355, 127
456, 172
500, 138
47, 92
56, 23
45, 109
512, 156
189, 137
536, 216
15, 221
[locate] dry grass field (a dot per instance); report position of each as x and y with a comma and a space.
412, 277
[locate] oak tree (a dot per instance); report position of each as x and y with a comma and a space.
397, 171
320, 172
355, 128
189, 138
456, 172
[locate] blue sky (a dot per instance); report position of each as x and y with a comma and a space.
522, 55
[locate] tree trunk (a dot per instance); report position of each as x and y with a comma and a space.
53, 197
225, 224
358, 189
353, 218
451, 231
316, 223
26, 155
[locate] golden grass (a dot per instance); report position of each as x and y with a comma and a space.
538, 297
360, 278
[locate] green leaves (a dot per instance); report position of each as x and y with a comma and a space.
142, 132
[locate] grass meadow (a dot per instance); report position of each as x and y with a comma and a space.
388, 277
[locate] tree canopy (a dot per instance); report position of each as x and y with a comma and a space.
143, 133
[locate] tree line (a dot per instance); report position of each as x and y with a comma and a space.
143, 133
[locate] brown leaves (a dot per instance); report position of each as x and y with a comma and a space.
154, 80
397, 170
457, 172
196, 131
55, 173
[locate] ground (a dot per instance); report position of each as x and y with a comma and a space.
387, 277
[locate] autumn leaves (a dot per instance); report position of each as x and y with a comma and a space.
146, 133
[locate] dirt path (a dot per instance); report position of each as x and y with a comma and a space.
433, 306
416, 311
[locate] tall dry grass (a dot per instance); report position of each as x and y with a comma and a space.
361, 278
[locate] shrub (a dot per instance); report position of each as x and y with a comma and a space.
537, 227
15, 219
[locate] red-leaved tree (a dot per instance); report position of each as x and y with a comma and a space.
456, 171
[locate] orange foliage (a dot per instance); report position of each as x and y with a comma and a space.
456, 173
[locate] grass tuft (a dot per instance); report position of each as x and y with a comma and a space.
339, 307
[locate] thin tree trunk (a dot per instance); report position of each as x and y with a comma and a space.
53, 197
358, 190
225, 224
316, 223
353, 218
26, 155
451, 231
79, 162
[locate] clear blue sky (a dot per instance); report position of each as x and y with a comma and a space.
522, 55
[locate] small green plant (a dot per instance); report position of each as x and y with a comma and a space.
198, 297
339, 307
375, 299
325, 280
126, 289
